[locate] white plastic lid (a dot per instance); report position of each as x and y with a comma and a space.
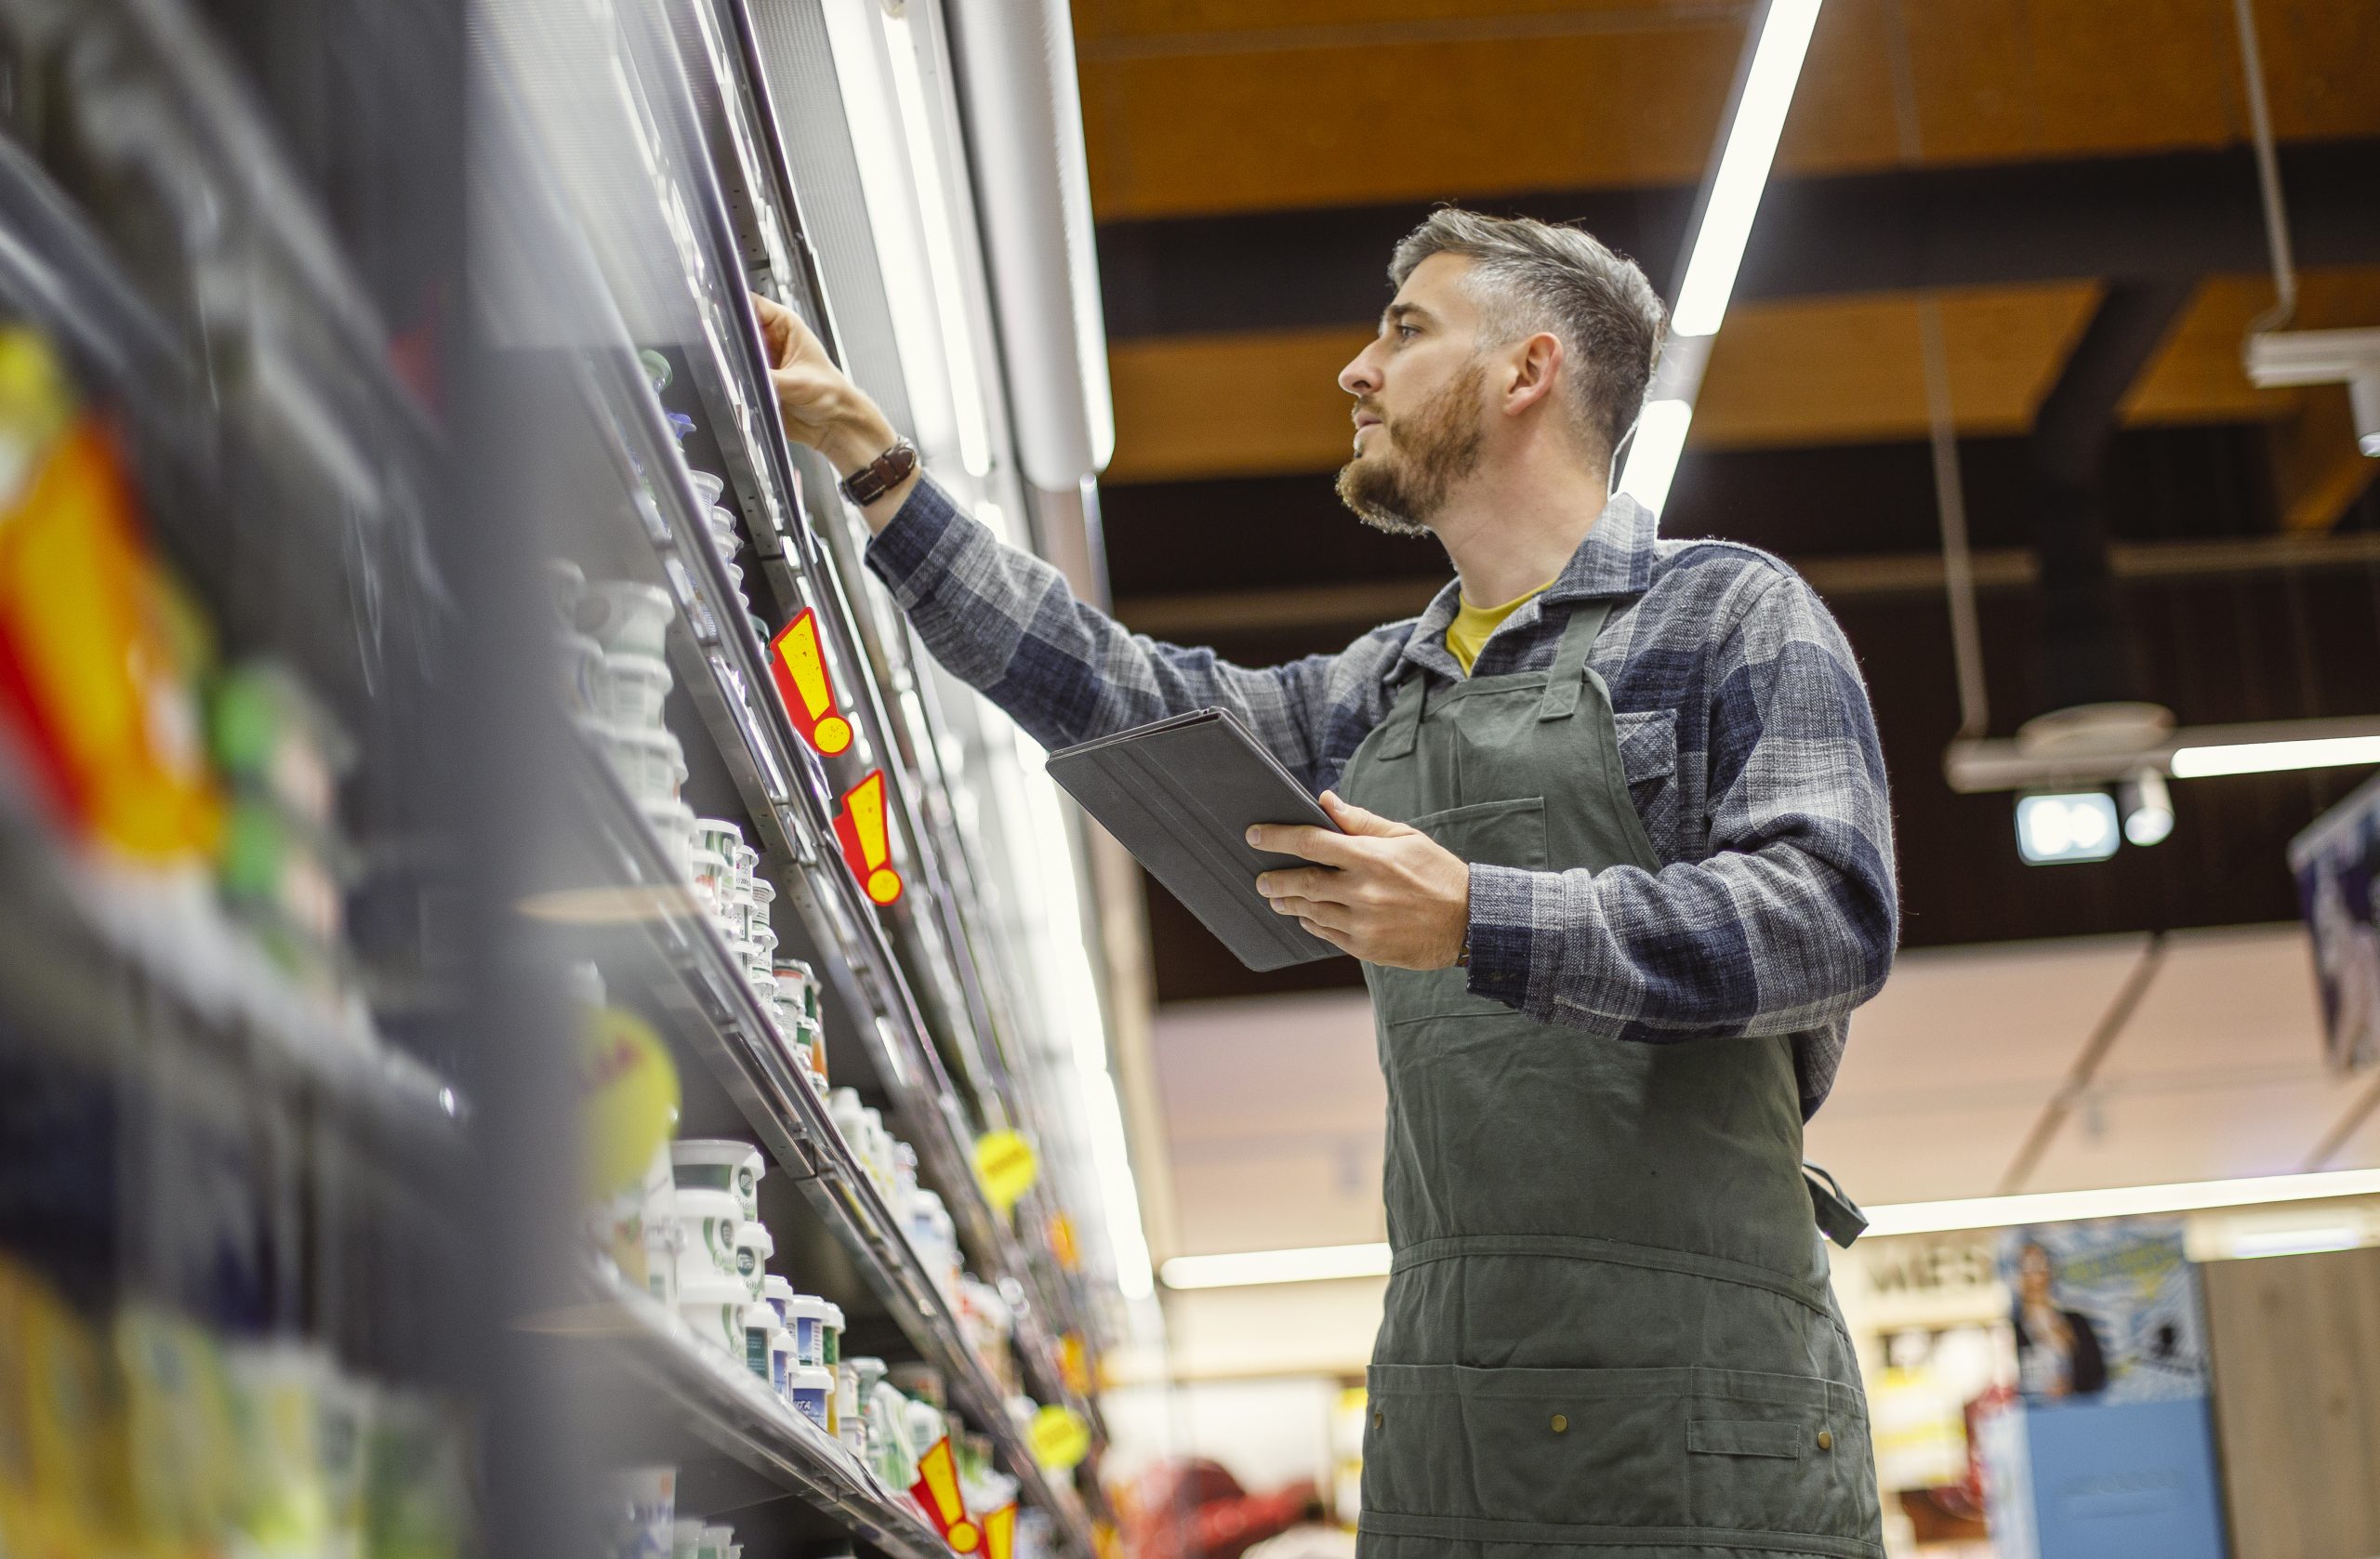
714, 1150
810, 1377
811, 1307
835, 1316
756, 1235
712, 1290
760, 1317
777, 1288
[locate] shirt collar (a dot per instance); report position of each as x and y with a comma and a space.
1615, 560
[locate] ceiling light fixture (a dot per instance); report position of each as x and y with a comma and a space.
1781, 43
2265, 758
1321, 1262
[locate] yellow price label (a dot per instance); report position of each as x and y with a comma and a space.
1061, 1242
1004, 1162
1074, 1364
1059, 1437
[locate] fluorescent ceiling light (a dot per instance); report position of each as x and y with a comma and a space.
1314, 1264
1251, 1268
2122, 1201
1653, 453
2265, 758
1718, 248
1743, 166
2295, 1242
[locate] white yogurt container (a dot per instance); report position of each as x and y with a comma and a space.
797, 983
713, 1310
705, 1223
759, 1323
754, 1246
806, 1317
812, 1392
780, 1358
627, 617
674, 826
719, 1164
632, 689
578, 674
777, 1292
708, 486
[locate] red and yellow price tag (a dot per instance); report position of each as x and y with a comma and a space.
1000, 1532
936, 1492
799, 670
867, 840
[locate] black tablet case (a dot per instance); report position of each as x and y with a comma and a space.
1181, 795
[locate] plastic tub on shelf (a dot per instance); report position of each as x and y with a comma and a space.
632, 689
627, 617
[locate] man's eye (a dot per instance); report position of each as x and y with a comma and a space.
1407, 331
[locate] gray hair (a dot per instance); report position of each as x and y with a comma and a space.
1528, 276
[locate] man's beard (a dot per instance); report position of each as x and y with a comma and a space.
1436, 447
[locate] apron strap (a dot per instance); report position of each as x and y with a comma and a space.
1402, 727
1571, 661
1839, 1217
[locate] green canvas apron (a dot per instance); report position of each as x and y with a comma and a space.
1609, 1327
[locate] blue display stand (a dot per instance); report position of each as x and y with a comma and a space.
2124, 1480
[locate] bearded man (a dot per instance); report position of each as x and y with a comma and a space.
1617, 862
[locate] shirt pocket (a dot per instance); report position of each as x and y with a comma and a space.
1648, 760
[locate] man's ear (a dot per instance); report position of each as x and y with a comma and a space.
1536, 364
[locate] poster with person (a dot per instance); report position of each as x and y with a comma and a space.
2337, 864
2105, 1311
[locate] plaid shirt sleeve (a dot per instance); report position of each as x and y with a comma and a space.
1787, 923
1005, 622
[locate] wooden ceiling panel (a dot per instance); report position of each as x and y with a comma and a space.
1221, 105
1235, 406
2198, 377
1850, 370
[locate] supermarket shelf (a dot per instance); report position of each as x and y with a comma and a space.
929, 930
110, 966
717, 1401
696, 978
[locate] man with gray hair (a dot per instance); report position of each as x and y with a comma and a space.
1617, 858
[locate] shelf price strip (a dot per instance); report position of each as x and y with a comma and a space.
808, 689
936, 1492
867, 847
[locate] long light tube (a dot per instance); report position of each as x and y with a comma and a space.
934, 195
2265, 758
1319, 1264
1743, 167
1717, 252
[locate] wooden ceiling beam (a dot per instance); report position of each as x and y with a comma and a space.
1245, 105
1805, 372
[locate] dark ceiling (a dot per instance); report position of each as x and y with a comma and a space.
2024, 176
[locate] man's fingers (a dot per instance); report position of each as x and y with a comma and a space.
1298, 838
1331, 915
1306, 882
1338, 939
1356, 820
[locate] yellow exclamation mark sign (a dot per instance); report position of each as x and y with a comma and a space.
1000, 1532
867, 848
937, 1491
799, 670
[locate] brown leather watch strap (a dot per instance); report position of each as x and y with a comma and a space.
882, 474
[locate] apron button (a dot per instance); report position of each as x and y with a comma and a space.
1826, 1439
1379, 1420
1561, 1424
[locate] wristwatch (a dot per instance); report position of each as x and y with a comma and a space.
882, 474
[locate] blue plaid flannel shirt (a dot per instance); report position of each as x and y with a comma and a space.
1743, 722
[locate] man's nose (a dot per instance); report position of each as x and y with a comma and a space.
1360, 378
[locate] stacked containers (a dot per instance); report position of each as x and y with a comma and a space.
616, 690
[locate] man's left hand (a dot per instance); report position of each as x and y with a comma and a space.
1397, 898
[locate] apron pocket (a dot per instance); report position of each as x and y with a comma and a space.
1507, 833
1787, 1470
1490, 833
1570, 1448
